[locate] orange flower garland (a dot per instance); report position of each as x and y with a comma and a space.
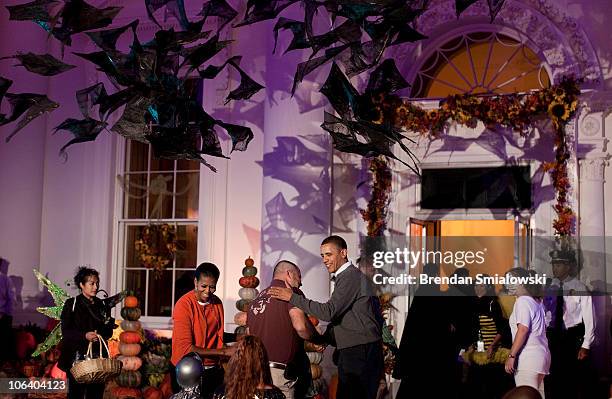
515, 111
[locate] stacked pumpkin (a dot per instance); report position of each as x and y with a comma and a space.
315, 359
129, 347
247, 293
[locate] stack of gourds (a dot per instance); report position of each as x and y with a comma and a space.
315, 359
247, 293
129, 347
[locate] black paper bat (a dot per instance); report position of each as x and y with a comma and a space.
78, 16
247, 86
374, 143
197, 55
177, 143
175, 7
90, 96
340, 93
220, 9
462, 5
169, 41
30, 105
212, 71
241, 135
37, 10
83, 130
4, 86
45, 64
494, 7
261, 10
306, 67
132, 123
347, 32
211, 144
107, 39
114, 300
386, 78
299, 40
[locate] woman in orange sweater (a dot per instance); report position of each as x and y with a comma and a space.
198, 327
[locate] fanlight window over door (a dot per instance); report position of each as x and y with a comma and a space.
480, 63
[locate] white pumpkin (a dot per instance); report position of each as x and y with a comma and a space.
248, 293
240, 318
130, 363
315, 357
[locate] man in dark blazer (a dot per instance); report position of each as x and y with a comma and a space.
355, 322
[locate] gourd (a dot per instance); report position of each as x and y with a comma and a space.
313, 320
315, 357
129, 379
130, 325
129, 349
248, 282
240, 318
242, 305
130, 301
249, 262
129, 337
247, 293
130, 313
130, 363
249, 271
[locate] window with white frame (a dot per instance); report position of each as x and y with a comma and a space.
480, 63
158, 192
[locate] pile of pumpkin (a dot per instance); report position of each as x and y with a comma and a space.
247, 293
129, 347
315, 359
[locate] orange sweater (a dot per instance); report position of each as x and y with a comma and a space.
195, 324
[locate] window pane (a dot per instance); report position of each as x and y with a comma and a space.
137, 156
184, 164
135, 281
133, 233
160, 294
187, 190
135, 195
187, 246
160, 164
160, 196
183, 284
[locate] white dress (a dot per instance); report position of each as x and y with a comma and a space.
535, 355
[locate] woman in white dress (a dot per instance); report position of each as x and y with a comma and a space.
529, 358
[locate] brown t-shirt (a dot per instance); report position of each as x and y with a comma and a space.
269, 320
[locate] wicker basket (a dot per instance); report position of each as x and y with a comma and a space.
97, 370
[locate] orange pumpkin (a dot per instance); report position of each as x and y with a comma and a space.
130, 363
166, 386
316, 371
129, 337
249, 262
248, 282
313, 320
130, 325
153, 393
130, 301
129, 349
125, 393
